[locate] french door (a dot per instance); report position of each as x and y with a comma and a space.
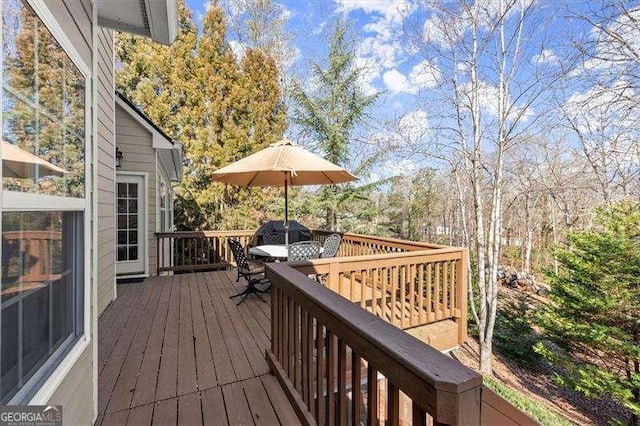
130, 224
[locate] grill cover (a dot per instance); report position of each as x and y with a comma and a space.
297, 232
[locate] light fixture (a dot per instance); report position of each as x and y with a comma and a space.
119, 157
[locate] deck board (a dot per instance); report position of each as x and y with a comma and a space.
179, 351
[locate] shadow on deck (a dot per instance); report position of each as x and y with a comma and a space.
176, 349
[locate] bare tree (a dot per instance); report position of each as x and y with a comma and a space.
484, 106
604, 110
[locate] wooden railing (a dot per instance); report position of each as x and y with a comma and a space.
361, 245
197, 251
406, 289
341, 365
208, 250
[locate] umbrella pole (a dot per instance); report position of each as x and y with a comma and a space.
286, 210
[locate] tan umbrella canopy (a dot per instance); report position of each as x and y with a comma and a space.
282, 164
18, 163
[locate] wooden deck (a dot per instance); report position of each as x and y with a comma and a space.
176, 350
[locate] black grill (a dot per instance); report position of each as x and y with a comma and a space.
297, 232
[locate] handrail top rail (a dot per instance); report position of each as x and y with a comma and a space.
217, 233
381, 256
413, 245
402, 244
432, 367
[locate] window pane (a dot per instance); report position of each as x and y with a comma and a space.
133, 237
133, 252
122, 206
41, 292
122, 190
133, 206
122, 237
122, 221
122, 253
43, 109
133, 190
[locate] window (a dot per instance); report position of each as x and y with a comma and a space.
44, 203
166, 205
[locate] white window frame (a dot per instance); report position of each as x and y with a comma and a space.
15, 201
145, 223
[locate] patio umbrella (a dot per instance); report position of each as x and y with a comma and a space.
18, 163
282, 164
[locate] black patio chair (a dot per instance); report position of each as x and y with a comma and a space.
249, 272
272, 239
303, 250
331, 246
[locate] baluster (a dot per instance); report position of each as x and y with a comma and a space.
331, 378
363, 290
352, 284
290, 351
356, 388
436, 292
274, 322
297, 382
403, 295
342, 382
320, 373
305, 357
309, 365
419, 417
412, 294
452, 287
394, 293
421, 315
384, 278
374, 291
372, 397
445, 289
429, 291
393, 404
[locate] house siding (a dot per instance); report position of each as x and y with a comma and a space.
106, 171
136, 144
76, 391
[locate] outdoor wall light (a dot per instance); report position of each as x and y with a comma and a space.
119, 157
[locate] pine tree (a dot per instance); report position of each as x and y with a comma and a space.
219, 107
594, 317
331, 113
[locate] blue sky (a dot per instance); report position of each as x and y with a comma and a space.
407, 73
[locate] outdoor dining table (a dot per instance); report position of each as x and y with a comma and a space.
274, 251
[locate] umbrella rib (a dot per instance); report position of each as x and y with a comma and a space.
328, 178
255, 175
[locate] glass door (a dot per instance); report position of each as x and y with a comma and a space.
130, 241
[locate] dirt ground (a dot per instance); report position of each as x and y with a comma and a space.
537, 383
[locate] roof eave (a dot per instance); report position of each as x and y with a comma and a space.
157, 19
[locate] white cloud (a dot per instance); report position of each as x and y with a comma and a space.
546, 57
369, 72
238, 48
396, 82
489, 100
381, 49
424, 75
319, 29
390, 10
414, 126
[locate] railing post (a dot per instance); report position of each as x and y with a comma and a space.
461, 294
334, 275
